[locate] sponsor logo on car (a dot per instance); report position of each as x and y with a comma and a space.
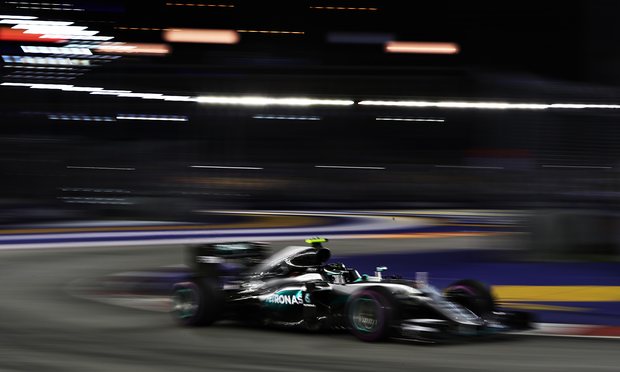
285, 299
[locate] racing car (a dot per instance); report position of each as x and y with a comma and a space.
297, 287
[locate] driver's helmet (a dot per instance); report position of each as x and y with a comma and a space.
338, 273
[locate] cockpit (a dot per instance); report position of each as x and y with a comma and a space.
298, 260
338, 273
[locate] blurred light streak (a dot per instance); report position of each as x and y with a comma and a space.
359, 37
349, 167
139, 28
134, 48
577, 166
225, 167
285, 117
81, 89
73, 117
86, 44
100, 168
55, 68
179, 98
46, 60
77, 37
271, 32
141, 95
459, 104
49, 29
10, 84
44, 77
44, 6
211, 36
50, 86
88, 189
17, 16
262, 101
344, 8
151, 117
582, 106
9, 34
421, 47
467, 167
33, 23
110, 92
56, 50
91, 200
202, 5
410, 119
50, 8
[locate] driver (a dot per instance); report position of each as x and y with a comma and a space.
338, 273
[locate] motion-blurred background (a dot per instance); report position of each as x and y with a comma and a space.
161, 109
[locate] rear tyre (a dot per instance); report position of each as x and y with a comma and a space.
473, 295
369, 314
196, 302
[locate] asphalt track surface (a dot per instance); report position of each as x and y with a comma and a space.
43, 327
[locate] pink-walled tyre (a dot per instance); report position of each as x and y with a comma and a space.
471, 294
369, 314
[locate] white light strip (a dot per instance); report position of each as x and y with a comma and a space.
56, 50
285, 117
141, 95
151, 117
111, 92
54, 29
577, 166
100, 168
76, 37
9, 84
582, 106
410, 119
262, 101
179, 98
466, 167
460, 104
81, 89
50, 86
60, 33
224, 167
348, 167
16, 17
22, 22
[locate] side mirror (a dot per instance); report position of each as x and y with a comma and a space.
379, 270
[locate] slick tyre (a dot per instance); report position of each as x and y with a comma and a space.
369, 314
196, 302
473, 295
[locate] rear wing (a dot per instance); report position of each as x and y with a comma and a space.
218, 259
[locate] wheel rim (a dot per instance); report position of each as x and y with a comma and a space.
365, 313
185, 303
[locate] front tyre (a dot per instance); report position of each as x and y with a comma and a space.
473, 295
369, 315
196, 302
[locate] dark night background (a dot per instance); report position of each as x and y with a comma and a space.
521, 51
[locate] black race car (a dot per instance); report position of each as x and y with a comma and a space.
297, 288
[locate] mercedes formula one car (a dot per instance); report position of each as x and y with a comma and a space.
296, 287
